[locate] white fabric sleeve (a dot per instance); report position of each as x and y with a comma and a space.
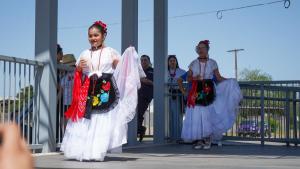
78, 59
191, 65
115, 54
214, 64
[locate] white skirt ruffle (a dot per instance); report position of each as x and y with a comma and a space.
91, 139
213, 120
196, 123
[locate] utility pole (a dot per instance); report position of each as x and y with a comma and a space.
235, 60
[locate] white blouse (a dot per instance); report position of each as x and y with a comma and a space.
200, 68
179, 72
99, 61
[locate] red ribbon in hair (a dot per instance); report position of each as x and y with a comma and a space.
80, 93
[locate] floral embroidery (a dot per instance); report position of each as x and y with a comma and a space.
104, 97
201, 93
106, 85
207, 89
96, 101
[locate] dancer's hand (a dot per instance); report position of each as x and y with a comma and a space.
146, 81
83, 64
14, 153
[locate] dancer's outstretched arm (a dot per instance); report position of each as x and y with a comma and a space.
218, 75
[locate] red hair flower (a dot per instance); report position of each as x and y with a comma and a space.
100, 23
206, 42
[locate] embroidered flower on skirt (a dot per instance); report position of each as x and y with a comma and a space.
103, 94
204, 92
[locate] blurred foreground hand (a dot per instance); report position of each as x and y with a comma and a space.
14, 153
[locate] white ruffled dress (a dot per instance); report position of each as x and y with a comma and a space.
215, 119
91, 139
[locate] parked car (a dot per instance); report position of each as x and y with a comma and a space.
251, 128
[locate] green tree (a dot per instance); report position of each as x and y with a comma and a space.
22, 98
254, 75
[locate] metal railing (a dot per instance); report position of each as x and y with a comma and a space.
283, 83
20, 99
176, 109
270, 111
148, 121
18, 95
64, 97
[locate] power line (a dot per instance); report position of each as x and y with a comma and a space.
287, 4
219, 13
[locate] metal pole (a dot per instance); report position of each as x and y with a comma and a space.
295, 131
130, 38
235, 60
262, 115
236, 69
287, 117
160, 65
45, 51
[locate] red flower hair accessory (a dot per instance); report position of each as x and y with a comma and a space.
206, 42
102, 25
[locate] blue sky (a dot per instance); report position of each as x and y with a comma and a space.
269, 34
